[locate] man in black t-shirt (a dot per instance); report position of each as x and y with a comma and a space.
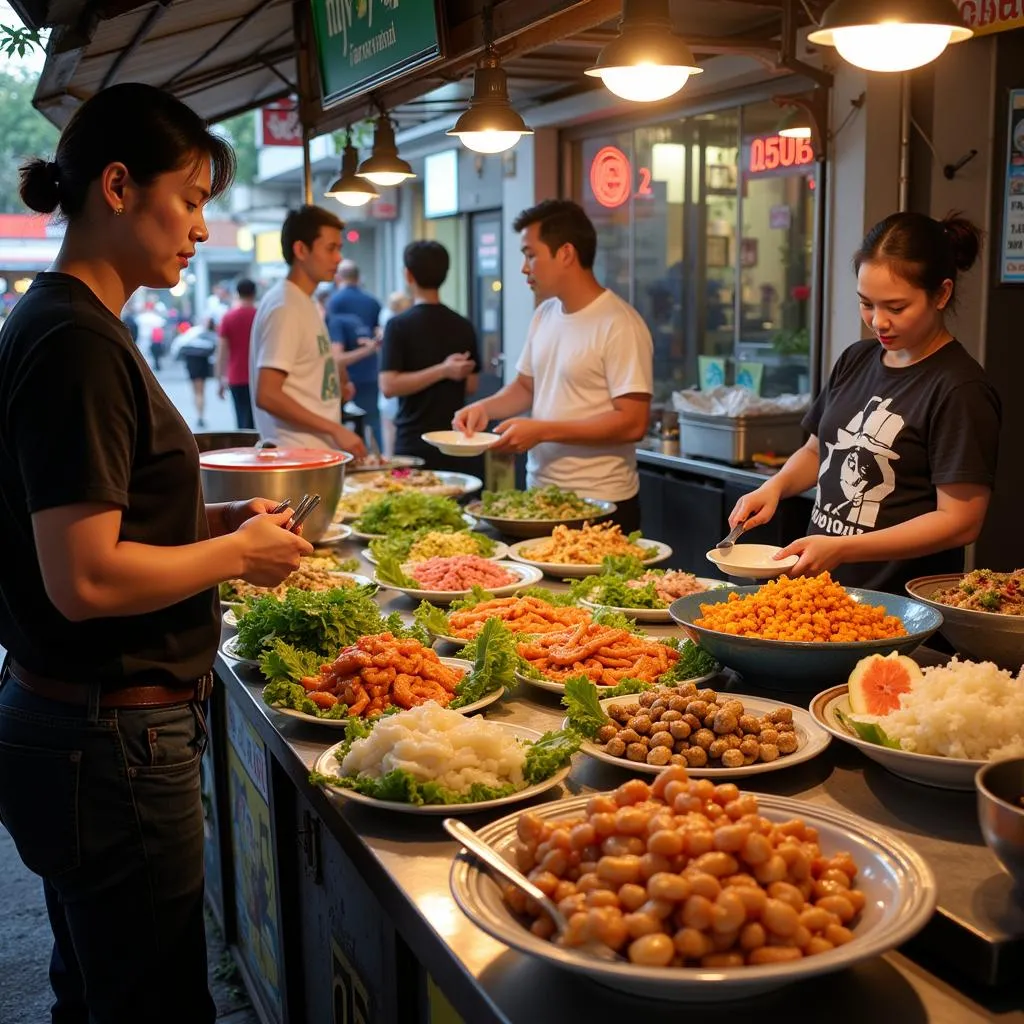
430, 359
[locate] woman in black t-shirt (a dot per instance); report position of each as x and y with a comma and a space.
904, 437
108, 600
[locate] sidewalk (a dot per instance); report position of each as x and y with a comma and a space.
25, 938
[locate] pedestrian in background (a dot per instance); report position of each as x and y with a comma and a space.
352, 316
108, 582
297, 389
232, 369
398, 302
196, 347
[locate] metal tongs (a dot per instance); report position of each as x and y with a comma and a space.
302, 512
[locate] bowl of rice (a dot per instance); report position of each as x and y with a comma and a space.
982, 613
955, 719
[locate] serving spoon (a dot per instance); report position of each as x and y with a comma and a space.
492, 859
726, 545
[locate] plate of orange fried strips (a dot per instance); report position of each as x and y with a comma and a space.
604, 654
382, 671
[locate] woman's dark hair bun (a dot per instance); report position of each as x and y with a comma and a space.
964, 239
38, 186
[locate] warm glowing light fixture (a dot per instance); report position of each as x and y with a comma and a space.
647, 61
384, 166
350, 189
890, 35
796, 124
490, 125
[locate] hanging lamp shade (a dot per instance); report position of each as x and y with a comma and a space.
491, 125
647, 61
795, 124
350, 189
384, 166
890, 35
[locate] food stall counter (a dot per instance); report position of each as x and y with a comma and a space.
404, 861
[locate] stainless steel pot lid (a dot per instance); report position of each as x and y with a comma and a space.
243, 459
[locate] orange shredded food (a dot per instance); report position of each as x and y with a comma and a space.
811, 609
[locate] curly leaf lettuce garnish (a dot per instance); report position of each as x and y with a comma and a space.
585, 713
432, 619
494, 666
693, 662
550, 753
389, 570
281, 662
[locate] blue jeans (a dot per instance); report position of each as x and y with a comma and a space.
104, 805
366, 397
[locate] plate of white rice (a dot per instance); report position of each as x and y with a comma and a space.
434, 744
956, 718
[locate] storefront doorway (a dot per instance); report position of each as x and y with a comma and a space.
486, 296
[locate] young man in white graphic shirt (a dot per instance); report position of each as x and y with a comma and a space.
586, 372
297, 388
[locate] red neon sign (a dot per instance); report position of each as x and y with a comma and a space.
611, 177
777, 152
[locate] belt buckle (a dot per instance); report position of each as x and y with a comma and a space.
204, 686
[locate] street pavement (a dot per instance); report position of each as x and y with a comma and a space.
25, 937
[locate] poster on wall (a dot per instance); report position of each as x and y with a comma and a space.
1011, 263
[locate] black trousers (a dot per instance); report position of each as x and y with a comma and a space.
104, 805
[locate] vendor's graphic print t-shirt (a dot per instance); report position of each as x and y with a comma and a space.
888, 437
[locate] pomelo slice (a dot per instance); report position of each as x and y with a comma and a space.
876, 683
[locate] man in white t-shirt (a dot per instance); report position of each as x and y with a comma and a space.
297, 388
586, 372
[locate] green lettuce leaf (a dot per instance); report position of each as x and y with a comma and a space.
389, 570
432, 619
693, 662
407, 511
870, 732
551, 752
585, 713
283, 663
494, 665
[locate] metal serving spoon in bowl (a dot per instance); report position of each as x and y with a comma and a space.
726, 545
472, 842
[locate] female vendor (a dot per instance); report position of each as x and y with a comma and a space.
904, 438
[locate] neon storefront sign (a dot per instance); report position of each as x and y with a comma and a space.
611, 177
776, 154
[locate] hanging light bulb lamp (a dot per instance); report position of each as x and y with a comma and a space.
384, 166
796, 124
491, 125
890, 35
647, 61
350, 189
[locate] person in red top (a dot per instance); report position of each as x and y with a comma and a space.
233, 352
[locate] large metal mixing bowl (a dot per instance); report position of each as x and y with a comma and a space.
237, 474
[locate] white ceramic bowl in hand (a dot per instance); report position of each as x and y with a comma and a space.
454, 442
751, 561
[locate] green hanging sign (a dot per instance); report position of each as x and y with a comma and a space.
361, 44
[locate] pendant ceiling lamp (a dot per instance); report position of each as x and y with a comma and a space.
890, 35
491, 125
796, 124
647, 61
384, 166
350, 189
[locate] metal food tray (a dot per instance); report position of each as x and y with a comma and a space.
735, 439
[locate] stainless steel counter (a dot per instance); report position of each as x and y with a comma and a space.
650, 454
406, 861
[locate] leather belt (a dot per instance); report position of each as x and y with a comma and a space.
128, 697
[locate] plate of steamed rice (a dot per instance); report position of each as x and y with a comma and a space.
936, 725
430, 760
